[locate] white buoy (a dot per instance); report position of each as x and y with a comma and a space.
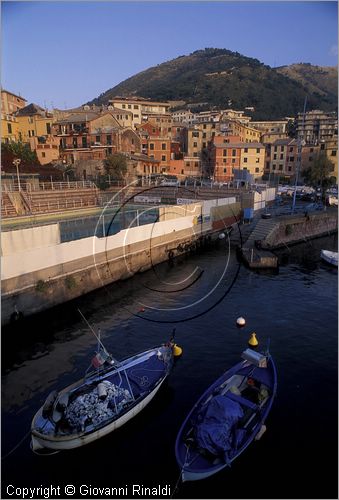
221, 236
241, 321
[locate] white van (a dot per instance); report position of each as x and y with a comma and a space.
170, 182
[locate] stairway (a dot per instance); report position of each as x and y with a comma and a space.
261, 231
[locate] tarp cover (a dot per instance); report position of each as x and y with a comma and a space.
214, 431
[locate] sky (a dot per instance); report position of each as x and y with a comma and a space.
63, 54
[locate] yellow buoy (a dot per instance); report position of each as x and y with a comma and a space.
177, 351
253, 340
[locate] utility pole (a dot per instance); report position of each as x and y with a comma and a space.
301, 142
16, 163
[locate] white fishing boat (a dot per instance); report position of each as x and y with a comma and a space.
329, 257
102, 401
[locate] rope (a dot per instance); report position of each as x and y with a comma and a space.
180, 475
17, 445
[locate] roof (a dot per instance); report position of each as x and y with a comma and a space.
241, 145
79, 117
284, 142
31, 109
142, 157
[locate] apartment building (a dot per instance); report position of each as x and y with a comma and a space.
245, 133
224, 157
9, 128
11, 103
159, 149
94, 136
270, 127
46, 148
141, 108
33, 121
317, 126
252, 159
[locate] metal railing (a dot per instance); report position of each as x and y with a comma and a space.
47, 186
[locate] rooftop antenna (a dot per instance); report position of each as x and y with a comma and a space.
301, 142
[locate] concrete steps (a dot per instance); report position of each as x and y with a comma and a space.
261, 231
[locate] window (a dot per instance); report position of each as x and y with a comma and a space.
126, 117
282, 148
151, 146
257, 169
84, 142
289, 169
213, 125
274, 157
322, 147
224, 152
204, 144
204, 135
224, 160
225, 170
195, 144
246, 151
310, 158
97, 138
136, 106
257, 160
245, 160
48, 128
281, 156
43, 154
32, 131
334, 152
275, 148
195, 134
311, 150
234, 152
109, 139
274, 167
233, 160
163, 157
204, 126
9, 127
109, 151
258, 150
187, 164
124, 106
280, 167
291, 150
129, 106
196, 164
163, 146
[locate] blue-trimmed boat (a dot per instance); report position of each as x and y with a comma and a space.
105, 399
228, 417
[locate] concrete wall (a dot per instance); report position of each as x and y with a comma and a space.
46, 275
22, 240
301, 228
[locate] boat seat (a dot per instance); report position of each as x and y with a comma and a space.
241, 400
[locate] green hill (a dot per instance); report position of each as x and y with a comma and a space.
222, 79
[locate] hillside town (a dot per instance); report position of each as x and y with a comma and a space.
220, 146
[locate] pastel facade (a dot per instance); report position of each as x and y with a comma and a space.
142, 109
11, 103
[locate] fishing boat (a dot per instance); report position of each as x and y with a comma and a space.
103, 400
329, 257
227, 418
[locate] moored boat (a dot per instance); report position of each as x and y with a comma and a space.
102, 401
329, 257
227, 418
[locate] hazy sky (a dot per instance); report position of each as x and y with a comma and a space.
62, 54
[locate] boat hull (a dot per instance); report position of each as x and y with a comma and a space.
330, 257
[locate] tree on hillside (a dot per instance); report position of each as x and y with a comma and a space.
320, 174
116, 165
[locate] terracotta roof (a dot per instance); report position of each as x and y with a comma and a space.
31, 109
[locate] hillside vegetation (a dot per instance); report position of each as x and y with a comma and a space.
220, 78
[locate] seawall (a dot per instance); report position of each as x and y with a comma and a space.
39, 272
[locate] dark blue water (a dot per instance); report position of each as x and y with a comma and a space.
295, 308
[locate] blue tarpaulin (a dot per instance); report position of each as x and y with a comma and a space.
214, 432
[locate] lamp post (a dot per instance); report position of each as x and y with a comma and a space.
17, 163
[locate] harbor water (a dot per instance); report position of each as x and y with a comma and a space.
201, 296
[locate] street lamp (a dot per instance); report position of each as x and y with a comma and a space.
17, 163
